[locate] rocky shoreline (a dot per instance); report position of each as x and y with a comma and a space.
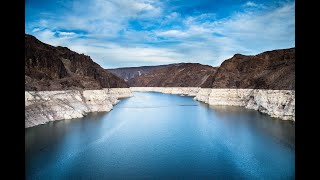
44, 106
276, 103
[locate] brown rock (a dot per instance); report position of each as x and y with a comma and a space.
58, 68
268, 70
175, 75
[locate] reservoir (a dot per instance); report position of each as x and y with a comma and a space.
161, 136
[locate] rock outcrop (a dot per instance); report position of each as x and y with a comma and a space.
268, 70
44, 106
175, 75
49, 68
62, 84
276, 103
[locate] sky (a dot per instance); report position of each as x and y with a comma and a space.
129, 33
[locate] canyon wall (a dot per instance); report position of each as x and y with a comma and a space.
172, 75
276, 103
44, 106
50, 68
268, 70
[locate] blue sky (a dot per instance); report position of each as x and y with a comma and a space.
123, 33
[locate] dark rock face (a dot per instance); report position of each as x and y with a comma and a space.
128, 73
268, 70
58, 68
175, 75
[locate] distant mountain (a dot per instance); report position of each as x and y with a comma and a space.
175, 75
268, 70
58, 68
128, 73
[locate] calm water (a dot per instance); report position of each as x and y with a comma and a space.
154, 135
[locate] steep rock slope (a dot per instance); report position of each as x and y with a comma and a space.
175, 75
58, 68
268, 70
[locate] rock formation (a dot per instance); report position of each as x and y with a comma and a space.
276, 103
268, 70
58, 68
175, 75
62, 84
44, 106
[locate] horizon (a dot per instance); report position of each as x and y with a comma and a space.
135, 33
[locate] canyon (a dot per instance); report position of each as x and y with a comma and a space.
268, 70
62, 84
171, 75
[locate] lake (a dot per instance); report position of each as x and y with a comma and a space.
161, 136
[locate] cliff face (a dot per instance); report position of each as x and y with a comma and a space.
58, 68
268, 70
175, 75
44, 106
276, 103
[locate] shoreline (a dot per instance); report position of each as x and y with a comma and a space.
276, 103
45, 106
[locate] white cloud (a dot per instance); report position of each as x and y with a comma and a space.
61, 33
251, 4
106, 18
172, 33
36, 29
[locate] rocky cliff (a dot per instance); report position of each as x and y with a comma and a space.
175, 75
62, 84
45, 106
276, 103
58, 68
268, 70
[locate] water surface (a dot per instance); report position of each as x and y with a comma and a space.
154, 135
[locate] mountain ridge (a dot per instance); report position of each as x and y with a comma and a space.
273, 69
58, 68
